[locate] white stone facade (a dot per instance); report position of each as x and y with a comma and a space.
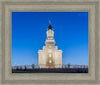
50, 56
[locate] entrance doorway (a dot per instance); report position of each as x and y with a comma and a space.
50, 66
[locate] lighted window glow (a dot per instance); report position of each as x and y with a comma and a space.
50, 55
50, 47
50, 61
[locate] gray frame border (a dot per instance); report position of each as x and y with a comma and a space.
96, 40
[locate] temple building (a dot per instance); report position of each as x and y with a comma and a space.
50, 56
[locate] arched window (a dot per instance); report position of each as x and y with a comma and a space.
50, 61
50, 55
50, 47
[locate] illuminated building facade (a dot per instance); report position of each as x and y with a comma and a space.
50, 56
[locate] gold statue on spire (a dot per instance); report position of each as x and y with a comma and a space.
49, 22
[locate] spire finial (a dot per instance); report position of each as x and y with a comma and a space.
49, 22
50, 27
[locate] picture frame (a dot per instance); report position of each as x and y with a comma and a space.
92, 7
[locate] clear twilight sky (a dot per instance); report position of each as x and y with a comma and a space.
29, 35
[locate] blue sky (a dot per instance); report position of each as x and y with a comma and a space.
29, 35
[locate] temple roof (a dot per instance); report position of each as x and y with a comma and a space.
50, 27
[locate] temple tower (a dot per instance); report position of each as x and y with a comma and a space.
50, 56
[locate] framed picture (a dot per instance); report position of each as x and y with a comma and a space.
50, 42
72, 39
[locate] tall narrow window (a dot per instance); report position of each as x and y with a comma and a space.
50, 47
50, 61
50, 55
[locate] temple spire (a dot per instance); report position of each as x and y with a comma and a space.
50, 27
